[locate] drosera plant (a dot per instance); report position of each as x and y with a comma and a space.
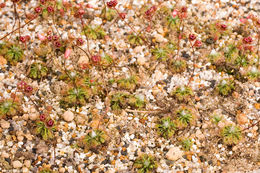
171, 47
182, 93
118, 101
166, 127
177, 65
42, 50
231, 134
45, 127
38, 71
106, 60
137, 101
93, 86
145, 164
108, 14
216, 57
186, 144
172, 20
94, 33
69, 76
9, 108
46, 169
160, 53
241, 61
225, 87
95, 139
12, 52
75, 96
230, 52
128, 83
184, 117
217, 29
216, 118
135, 40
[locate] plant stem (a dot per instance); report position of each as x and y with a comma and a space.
83, 27
193, 63
251, 125
179, 39
138, 111
137, 34
258, 47
16, 16
18, 28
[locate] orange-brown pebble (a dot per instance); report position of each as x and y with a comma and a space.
113, 162
257, 105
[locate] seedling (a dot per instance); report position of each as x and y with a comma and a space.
225, 87
94, 33
182, 93
69, 76
186, 144
108, 14
178, 66
172, 21
216, 118
45, 128
46, 170
230, 52
166, 127
38, 71
8, 108
43, 50
184, 117
106, 60
135, 40
93, 87
13, 53
216, 57
118, 101
127, 84
160, 54
95, 138
231, 134
145, 164
75, 97
171, 47
241, 61
217, 29
89, 82
136, 101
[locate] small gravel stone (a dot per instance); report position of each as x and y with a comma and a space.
68, 116
141, 60
5, 155
5, 124
83, 60
17, 164
159, 38
242, 119
25, 170
174, 154
61, 170
20, 138
2, 61
27, 163
33, 116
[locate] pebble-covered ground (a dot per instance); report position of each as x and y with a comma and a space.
148, 86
